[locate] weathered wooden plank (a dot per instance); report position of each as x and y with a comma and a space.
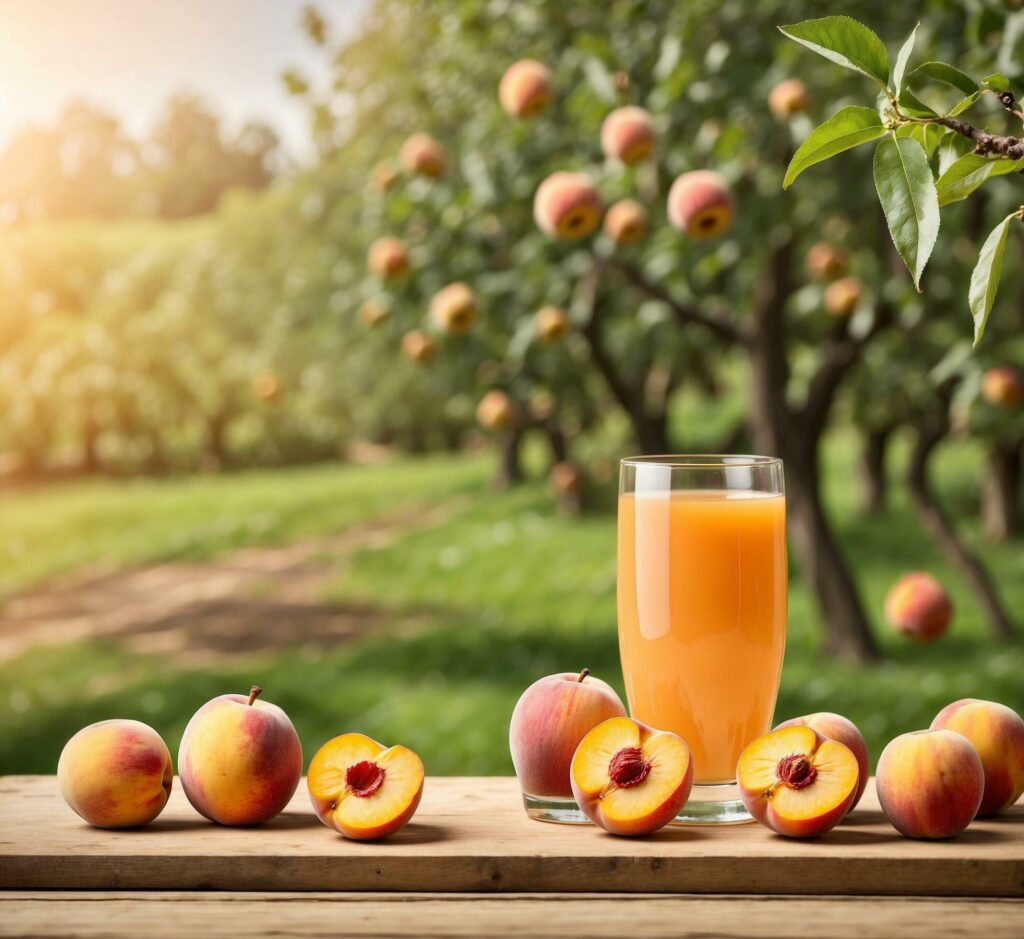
213, 915
471, 835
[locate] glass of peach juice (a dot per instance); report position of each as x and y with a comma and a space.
702, 609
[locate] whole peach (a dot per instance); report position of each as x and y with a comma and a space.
919, 607
422, 154
454, 309
789, 97
525, 89
930, 783
826, 262
997, 733
567, 206
626, 222
1002, 386
552, 324
495, 411
418, 347
843, 295
387, 258
836, 727
383, 176
373, 313
240, 760
550, 719
116, 774
627, 135
700, 204
566, 478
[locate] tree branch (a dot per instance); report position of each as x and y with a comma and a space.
1010, 147
722, 327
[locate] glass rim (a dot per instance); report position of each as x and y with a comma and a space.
702, 460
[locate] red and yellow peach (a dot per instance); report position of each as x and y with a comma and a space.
116, 773
836, 727
626, 222
552, 324
387, 258
454, 309
1002, 386
423, 155
495, 411
701, 205
930, 783
842, 296
373, 313
826, 262
240, 760
567, 206
525, 89
919, 607
997, 733
418, 347
789, 97
627, 135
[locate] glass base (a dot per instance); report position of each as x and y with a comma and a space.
555, 810
714, 805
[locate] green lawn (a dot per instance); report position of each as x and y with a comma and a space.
500, 591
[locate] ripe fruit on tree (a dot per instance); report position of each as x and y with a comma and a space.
1002, 386
363, 789
550, 719
629, 778
525, 89
384, 176
930, 783
826, 262
373, 313
387, 258
567, 206
919, 607
798, 782
418, 347
116, 774
626, 222
566, 479
789, 97
997, 733
495, 411
843, 295
552, 324
422, 154
627, 135
701, 205
837, 727
454, 309
240, 759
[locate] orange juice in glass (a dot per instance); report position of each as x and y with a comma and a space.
702, 609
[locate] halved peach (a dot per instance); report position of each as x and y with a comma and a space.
629, 778
363, 789
797, 782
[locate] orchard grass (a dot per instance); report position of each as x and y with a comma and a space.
501, 590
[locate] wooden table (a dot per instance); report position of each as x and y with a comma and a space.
471, 863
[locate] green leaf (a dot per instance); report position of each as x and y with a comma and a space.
950, 75
849, 128
928, 135
997, 81
968, 102
906, 190
913, 106
846, 42
985, 277
902, 58
966, 174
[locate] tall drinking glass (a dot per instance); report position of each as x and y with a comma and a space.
702, 609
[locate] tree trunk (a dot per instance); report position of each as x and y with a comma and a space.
1002, 493
777, 429
556, 441
938, 525
216, 427
874, 484
510, 466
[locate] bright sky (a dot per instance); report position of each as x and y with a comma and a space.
130, 55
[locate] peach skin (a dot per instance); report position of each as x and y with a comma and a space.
627, 135
387, 258
919, 607
797, 782
626, 222
418, 347
495, 411
454, 309
550, 719
843, 295
1002, 386
240, 760
629, 778
824, 262
930, 783
700, 204
567, 206
373, 313
525, 89
116, 774
363, 789
997, 733
422, 154
789, 97
837, 727
552, 324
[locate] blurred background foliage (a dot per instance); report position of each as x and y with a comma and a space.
188, 303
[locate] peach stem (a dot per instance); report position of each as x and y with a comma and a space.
254, 692
628, 767
583, 674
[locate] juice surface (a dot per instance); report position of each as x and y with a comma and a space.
702, 617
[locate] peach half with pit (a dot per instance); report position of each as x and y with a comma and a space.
629, 778
837, 727
363, 789
798, 782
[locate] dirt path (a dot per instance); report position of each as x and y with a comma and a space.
254, 600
